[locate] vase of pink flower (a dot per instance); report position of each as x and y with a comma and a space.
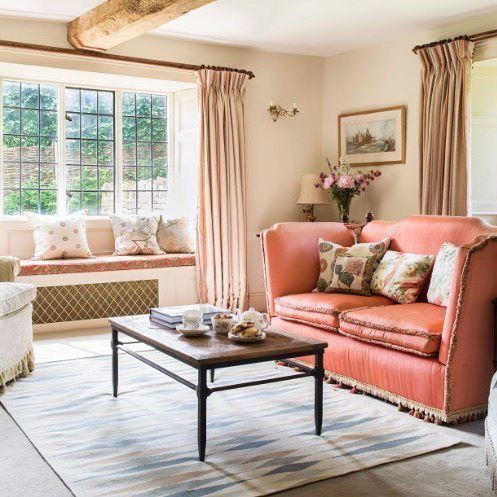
342, 184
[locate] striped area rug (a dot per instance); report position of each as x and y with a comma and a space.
260, 440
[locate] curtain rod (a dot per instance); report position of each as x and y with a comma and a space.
114, 57
485, 35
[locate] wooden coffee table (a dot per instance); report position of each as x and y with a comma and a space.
211, 352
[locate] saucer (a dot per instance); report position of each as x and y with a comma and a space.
193, 332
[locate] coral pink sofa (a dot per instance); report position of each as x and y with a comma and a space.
435, 361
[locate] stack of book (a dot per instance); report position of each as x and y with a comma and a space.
170, 317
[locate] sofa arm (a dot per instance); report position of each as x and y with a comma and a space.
468, 334
290, 256
9, 268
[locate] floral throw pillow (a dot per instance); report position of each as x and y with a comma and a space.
328, 251
352, 274
134, 235
401, 276
59, 237
441, 277
177, 235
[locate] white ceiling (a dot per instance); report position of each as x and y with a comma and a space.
311, 27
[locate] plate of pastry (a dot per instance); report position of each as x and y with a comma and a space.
246, 332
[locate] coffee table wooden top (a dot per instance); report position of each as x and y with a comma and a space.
212, 349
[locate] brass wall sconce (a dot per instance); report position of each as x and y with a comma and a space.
278, 111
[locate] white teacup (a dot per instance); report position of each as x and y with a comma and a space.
192, 319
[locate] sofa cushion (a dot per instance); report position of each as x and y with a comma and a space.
442, 274
415, 328
328, 252
13, 296
401, 276
322, 309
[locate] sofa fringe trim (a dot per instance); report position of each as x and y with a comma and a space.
416, 409
320, 310
21, 369
490, 457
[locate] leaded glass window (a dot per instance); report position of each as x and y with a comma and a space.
145, 144
29, 124
90, 150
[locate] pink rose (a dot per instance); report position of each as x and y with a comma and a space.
345, 182
328, 182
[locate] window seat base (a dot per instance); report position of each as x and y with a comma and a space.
105, 263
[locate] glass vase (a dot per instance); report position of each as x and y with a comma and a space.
343, 205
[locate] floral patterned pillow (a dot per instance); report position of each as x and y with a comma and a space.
59, 237
441, 277
352, 274
134, 235
401, 276
328, 251
177, 235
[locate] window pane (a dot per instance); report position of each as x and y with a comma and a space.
72, 152
11, 202
48, 202
30, 160
30, 200
11, 149
105, 128
90, 155
144, 129
106, 102
48, 123
11, 121
48, 150
89, 126
143, 105
12, 93
30, 149
159, 107
72, 100
73, 125
30, 95
128, 104
11, 175
48, 97
88, 151
89, 101
30, 122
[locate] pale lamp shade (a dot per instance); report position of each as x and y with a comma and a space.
309, 194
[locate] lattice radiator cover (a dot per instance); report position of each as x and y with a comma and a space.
57, 304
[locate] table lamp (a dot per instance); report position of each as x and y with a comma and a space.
311, 196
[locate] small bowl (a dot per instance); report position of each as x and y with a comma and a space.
223, 326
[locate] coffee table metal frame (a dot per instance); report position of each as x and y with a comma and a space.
203, 390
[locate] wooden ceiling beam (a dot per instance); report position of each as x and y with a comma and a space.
116, 21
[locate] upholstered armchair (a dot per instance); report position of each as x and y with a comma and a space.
16, 329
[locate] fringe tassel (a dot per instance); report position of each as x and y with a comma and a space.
20, 370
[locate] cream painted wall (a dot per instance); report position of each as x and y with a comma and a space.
277, 153
385, 76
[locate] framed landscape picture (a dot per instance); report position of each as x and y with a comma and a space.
373, 137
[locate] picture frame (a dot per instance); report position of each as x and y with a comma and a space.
373, 137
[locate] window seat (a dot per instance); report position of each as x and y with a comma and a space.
105, 263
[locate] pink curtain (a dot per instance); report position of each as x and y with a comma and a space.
444, 139
221, 248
